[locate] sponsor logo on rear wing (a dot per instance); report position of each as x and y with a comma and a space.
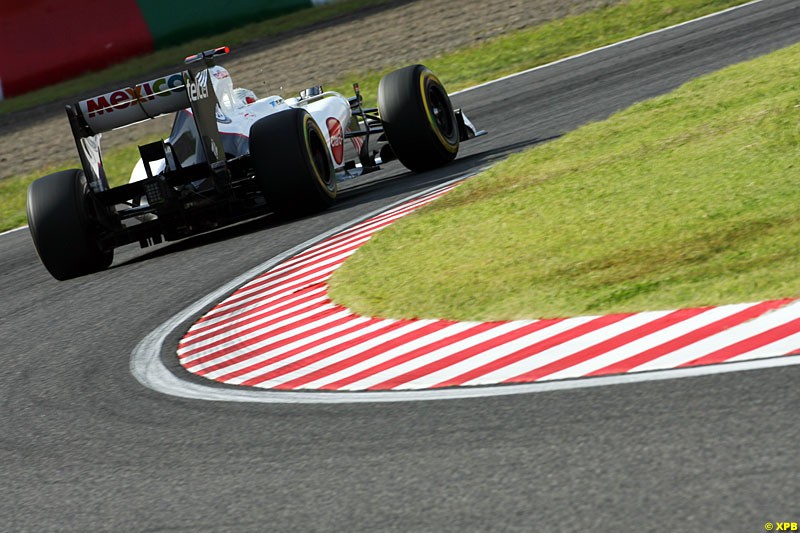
128, 105
150, 99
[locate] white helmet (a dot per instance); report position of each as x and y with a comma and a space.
243, 97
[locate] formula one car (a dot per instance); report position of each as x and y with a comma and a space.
229, 157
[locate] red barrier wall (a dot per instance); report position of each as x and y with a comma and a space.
46, 41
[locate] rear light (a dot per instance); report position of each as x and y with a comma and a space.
153, 189
222, 50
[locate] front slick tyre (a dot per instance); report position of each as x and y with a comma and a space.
418, 118
292, 163
65, 236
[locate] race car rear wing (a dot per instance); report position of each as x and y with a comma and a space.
191, 88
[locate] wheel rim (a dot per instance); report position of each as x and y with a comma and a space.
440, 111
319, 158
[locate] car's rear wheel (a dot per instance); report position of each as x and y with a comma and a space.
64, 233
292, 163
418, 118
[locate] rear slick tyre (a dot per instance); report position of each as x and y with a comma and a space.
65, 236
292, 163
418, 118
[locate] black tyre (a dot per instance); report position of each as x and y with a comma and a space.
63, 232
418, 118
292, 163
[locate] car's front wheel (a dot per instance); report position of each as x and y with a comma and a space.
64, 233
418, 118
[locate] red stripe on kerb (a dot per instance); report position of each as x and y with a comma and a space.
357, 325
250, 343
748, 344
422, 350
608, 345
294, 365
366, 354
689, 338
276, 326
249, 301
535, 348
314, 281
291, 283
272, 308
462, 355
252, 316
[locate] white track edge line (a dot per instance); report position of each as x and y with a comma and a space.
8, 232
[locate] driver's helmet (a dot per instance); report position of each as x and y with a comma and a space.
223, 88
243, 97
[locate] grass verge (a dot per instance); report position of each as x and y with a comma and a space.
494, 58
690, 199
13, 191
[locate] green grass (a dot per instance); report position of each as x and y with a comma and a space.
689, 199
144, 65
488, 60
118, 163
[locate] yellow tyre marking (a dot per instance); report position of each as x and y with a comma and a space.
444, 142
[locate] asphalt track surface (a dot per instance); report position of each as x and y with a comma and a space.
85, 447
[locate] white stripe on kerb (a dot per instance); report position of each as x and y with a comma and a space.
481, 359
266, 356
388, 355
236, 336
777, 348
225, 355
723, 339
303, 354
341, 355
430, 357
645, 343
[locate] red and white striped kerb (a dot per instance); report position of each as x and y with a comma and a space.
280, 331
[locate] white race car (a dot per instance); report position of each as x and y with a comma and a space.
230, 156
